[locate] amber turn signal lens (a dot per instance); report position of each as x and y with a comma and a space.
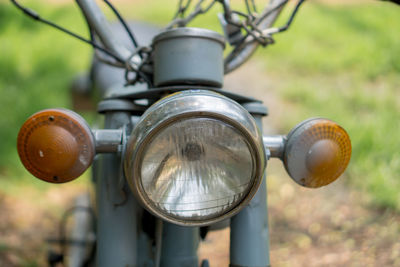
317, 152
56, 145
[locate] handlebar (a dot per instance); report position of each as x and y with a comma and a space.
242, 53
235, 59
256, 26
99, 23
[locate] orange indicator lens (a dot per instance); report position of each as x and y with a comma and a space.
56, 145
317, 152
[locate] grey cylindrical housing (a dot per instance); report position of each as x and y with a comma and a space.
188, 56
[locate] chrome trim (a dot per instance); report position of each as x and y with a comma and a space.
108, 140
190, 32
188, 104
275, 144
298, 146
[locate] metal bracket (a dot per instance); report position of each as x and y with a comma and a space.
275, 145
108, 141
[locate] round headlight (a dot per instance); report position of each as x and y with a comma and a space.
195, 158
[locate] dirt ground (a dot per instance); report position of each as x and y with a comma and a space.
329, 227
332, 226
28, 219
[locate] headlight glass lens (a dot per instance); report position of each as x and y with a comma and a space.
196, 168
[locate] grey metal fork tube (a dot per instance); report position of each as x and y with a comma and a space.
249, 242
116, 208
179, 246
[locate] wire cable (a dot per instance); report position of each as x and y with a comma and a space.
124, 24
284, 28
34, 15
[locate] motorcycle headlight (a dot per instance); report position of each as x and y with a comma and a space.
195, 158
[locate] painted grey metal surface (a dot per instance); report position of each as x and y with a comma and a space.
106, 77
117, 209
121, 242
132, 93
99, 23
179, 246
188, 56
249, 243
256, 107
112, 105
81, 232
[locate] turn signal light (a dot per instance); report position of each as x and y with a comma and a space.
56, 145
317, 152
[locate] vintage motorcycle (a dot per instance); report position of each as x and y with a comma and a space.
179, 155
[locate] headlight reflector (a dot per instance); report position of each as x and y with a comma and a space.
197, 167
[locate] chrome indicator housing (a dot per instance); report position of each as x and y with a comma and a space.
317, 152
195, 158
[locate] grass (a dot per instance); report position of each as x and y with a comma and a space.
343, 62
36, 66
340, 62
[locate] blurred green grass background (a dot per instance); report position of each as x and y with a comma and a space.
36, 66
337, 61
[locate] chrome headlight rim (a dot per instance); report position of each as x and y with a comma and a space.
139, 142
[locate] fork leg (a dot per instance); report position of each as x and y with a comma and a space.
249, 244
179, 246
117, 209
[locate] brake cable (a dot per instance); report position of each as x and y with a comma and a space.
119, 61
34, 15
123, 23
